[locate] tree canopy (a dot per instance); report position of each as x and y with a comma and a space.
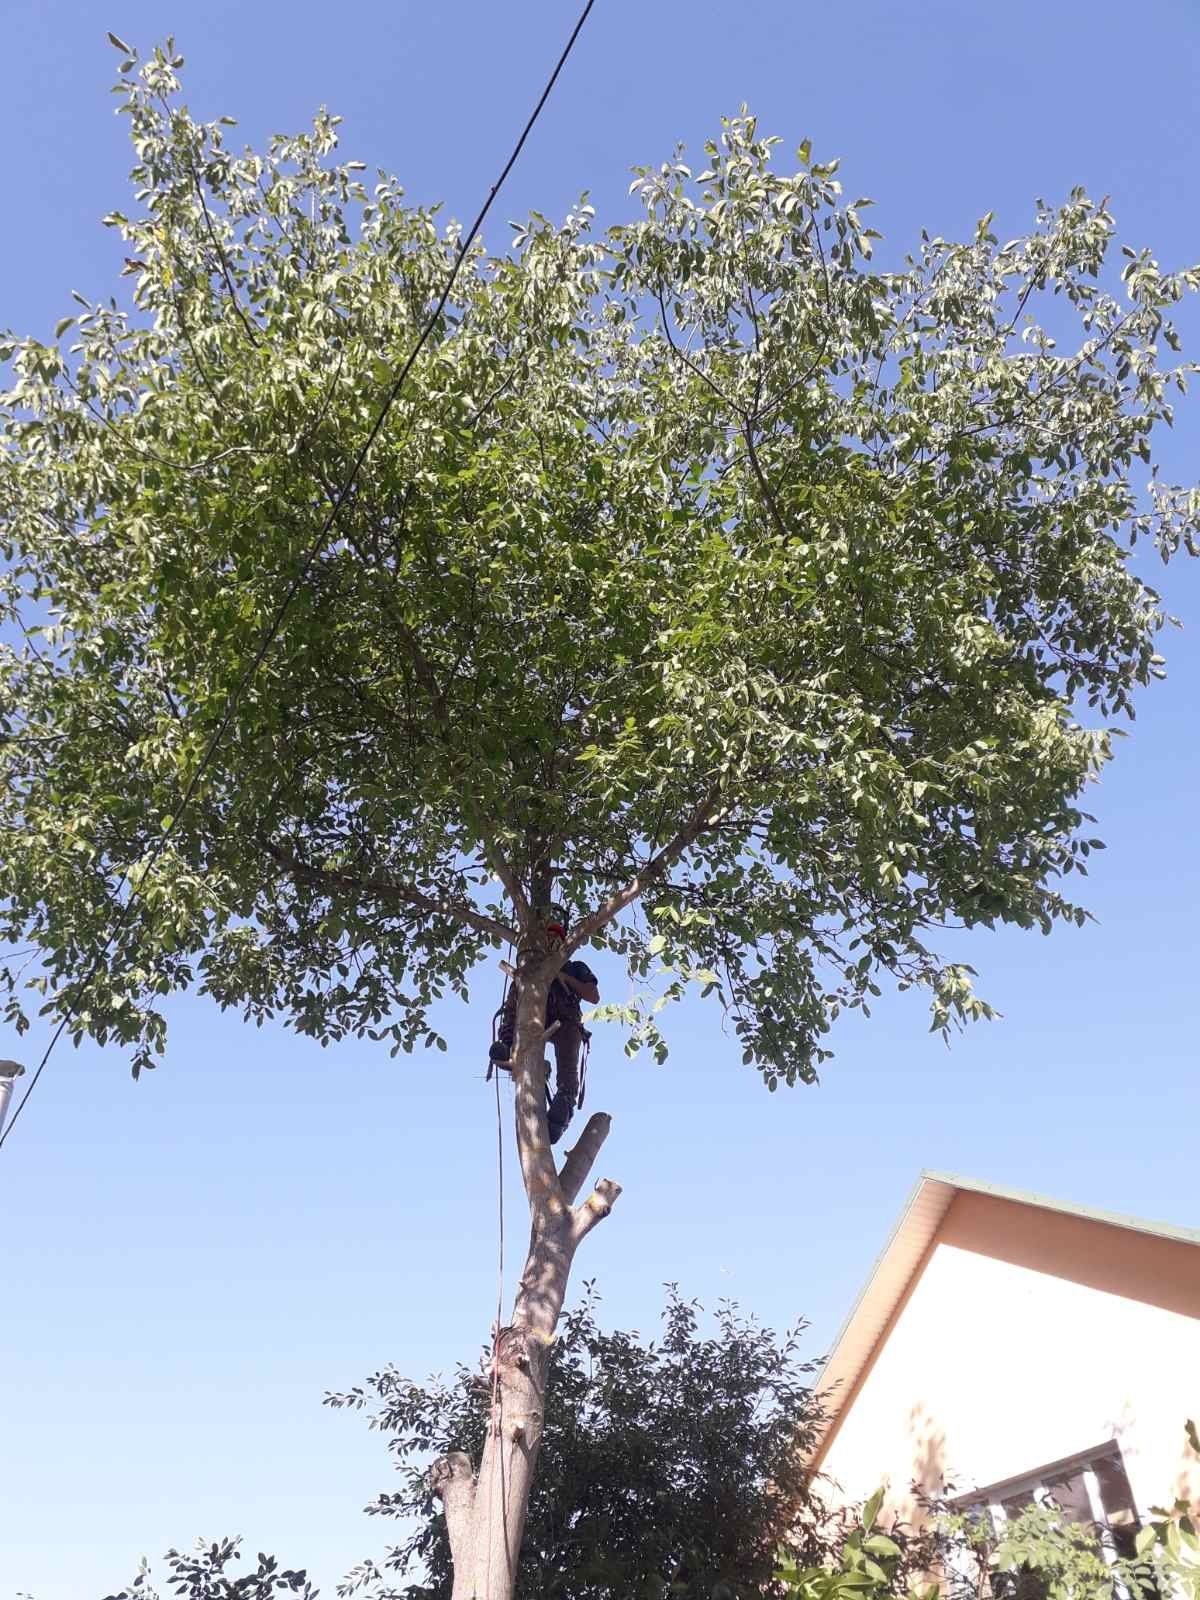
698, 564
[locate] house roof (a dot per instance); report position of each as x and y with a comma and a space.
903, 1255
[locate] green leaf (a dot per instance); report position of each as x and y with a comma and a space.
880, 1545
871, 1509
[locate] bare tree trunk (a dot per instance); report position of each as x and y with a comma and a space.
485, 1511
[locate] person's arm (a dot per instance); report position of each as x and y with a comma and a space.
585, 990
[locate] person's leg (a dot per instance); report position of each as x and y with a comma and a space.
500, 1053
566, 1041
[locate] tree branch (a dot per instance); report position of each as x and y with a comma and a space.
764, 487
500, 867
453, 1481
251, 332
682, 355
580, 1160
595, 1208
387, 890
427, 678
591, 925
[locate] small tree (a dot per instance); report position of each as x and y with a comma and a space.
670, 1467
206, 1574
1041, 1556
738, 599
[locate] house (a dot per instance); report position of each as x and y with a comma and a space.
1006, 1344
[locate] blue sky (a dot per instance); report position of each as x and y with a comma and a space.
190, 1261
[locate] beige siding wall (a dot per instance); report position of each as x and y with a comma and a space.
1025, 1337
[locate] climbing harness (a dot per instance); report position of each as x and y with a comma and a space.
496, 1062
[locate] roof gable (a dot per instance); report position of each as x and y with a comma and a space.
900, 1263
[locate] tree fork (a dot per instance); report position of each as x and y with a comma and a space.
485, 1512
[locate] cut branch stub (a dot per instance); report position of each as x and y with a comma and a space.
512, 1350
450, 1471
581, 1158
596, 1207
452, 1479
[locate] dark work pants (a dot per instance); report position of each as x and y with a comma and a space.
567, 1042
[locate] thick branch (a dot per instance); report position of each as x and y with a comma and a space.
764, 488
506, 875
418, 660
453, 1481
586, 930
404, 894
427, 678
595, 1208
580, 1159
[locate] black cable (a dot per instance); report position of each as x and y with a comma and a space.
306, 566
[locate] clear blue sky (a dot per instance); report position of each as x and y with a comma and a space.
190, 1261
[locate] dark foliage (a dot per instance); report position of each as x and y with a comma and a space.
668, 1467
202, 1576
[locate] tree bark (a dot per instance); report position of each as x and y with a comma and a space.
485, 1512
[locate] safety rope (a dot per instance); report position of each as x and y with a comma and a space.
496, 1408
495, 1412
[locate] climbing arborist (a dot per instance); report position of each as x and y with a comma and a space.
575, 982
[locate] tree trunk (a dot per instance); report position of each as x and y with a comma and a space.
485, 1511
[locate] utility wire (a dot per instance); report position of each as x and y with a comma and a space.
306, 566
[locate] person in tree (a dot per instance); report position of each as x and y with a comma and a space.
575, 982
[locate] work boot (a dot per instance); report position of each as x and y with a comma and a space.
558, 1115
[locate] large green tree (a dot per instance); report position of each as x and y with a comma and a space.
761, 610
670, 1466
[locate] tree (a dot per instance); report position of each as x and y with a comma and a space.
735, 598
668, 1467
204, 1576
1040, 1554
1039, 1558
